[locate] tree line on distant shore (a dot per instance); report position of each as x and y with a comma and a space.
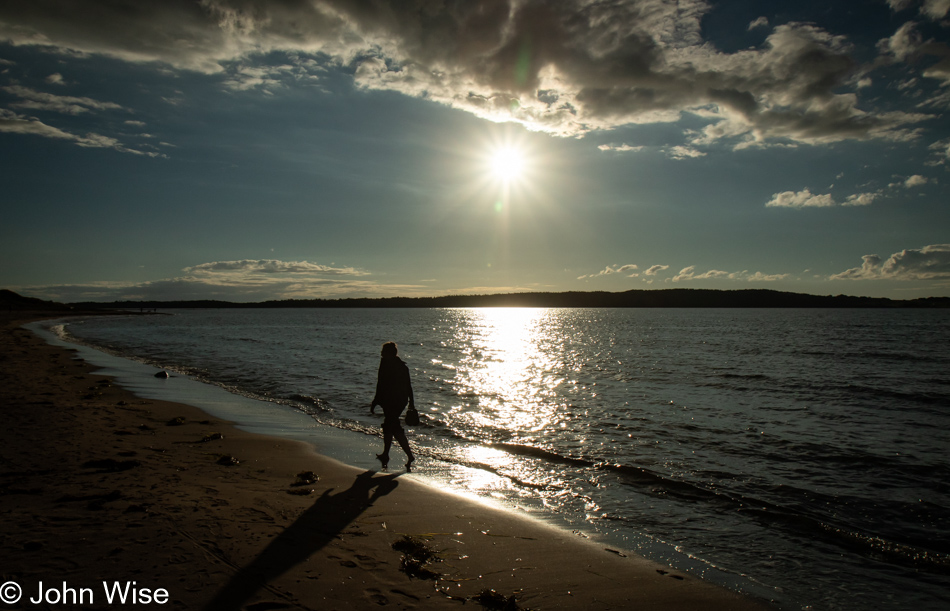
657, 298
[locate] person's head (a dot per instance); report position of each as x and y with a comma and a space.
389, 349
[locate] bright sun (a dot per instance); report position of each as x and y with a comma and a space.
507, 164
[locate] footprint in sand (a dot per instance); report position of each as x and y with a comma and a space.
375, 596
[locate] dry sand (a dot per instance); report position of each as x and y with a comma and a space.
99, 485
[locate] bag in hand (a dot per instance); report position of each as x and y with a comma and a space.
412, 417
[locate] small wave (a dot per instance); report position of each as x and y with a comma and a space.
745, 376
535, 452
877, 355
655, 484
305, 403
910, 397
890, 551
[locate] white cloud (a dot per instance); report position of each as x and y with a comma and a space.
566, 68
940, 99
655, 269
242, 77
910, 182
760, 277
800, 199
935, 9
907, 84
904, 43
915, 181
685, 274
249, 267
861, 199
759, 22
870, 268
55, 79
38, 100
806, 199
614, 269
900, 5
908, 45
941, 151
12, 122
241, 281
927, 263
689, 273
620, 148
684, 152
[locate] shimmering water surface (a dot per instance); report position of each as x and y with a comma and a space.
805, 451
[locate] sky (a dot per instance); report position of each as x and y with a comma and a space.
249, 150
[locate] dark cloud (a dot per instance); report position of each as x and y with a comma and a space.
562, 67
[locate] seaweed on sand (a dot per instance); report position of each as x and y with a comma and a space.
490, 599
305, 478
415, 556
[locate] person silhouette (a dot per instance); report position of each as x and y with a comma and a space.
393, 391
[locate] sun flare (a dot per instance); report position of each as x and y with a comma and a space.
507, 164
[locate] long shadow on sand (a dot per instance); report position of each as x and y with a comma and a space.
318, 525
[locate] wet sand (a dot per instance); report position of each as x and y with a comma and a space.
98, 485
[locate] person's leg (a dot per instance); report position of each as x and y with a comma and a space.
404, 444
387, 443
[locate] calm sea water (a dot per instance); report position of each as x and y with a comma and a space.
806, 452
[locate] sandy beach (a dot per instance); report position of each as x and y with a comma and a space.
100, 488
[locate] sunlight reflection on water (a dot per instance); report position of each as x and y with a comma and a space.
512, 379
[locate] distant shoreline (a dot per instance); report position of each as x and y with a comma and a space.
659, 298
